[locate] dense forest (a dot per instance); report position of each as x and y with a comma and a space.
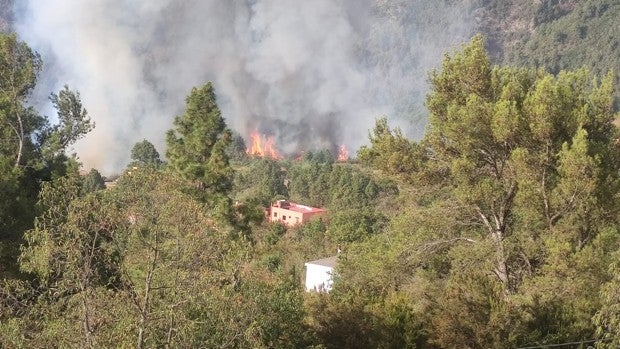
554, 34
499, 229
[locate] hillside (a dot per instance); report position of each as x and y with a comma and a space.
499, 229
553, 34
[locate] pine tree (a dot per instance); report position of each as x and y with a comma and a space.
197, 145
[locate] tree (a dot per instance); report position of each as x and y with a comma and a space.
237, 148
19, 67
488, 125
19, 162
607, 319
73, 120
197, 145
391, 151
261, 180
142, 264
92, 182
31, 151
69, 251
144, 154
515, 207
73, 124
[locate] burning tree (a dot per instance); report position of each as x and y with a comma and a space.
343, 153
263, 146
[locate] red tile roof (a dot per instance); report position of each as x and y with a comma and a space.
287, 205
304, 209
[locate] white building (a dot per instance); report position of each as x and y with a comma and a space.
319, 274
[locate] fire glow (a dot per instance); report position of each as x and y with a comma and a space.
343, 153
263, 146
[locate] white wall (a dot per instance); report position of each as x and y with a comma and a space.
318, 278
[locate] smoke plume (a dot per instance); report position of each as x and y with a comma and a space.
314, 74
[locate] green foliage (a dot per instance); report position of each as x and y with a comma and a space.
607, 319
19, 67
315, 229
554, 35
505, 237
73, 122
144, 153
275, 233
496, 230
197, 145
343, 321
390, 151
272, 261
237, 149
335, 186
347, 226
262, 180
143, 264
31, 151
19, 124
92, 182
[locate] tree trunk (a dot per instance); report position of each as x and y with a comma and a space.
144, 309
500, 261
86, 320
496, 233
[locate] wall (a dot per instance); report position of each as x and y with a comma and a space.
292, 217
318, 278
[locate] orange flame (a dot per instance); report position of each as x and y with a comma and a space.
263, 147
343, 153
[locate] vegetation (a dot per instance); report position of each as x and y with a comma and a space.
499, 229
551, 34
144, 154
515, 214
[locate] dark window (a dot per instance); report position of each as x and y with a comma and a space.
275, 214
283, 218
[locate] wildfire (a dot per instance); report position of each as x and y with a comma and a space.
262, 146
343, 153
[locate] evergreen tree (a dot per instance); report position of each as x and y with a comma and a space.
92, 182
144, 153
73, 124
197, 145
514, 215
19, 66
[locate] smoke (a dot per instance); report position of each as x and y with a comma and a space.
314, 74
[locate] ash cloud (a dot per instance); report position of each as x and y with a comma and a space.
314, 74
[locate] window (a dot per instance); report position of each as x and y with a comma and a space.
275, 214
296, 219
283, 218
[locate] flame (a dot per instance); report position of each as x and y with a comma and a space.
343, 153
263, 146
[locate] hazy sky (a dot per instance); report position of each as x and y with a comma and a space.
315, 74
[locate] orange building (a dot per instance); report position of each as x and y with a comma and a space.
291, 213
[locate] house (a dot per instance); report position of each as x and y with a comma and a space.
291, 213
319, 274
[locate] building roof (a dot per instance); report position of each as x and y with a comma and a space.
325, 262
305, 209
299, 208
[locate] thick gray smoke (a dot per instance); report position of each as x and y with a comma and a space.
314, 74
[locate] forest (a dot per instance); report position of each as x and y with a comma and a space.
500, 228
